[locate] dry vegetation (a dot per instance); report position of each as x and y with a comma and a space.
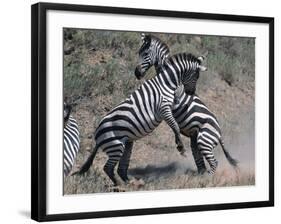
99, 74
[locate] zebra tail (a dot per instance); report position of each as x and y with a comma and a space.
229, 158
86, 166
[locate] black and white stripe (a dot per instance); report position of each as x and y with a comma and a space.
141, 113
195, 120
71, 140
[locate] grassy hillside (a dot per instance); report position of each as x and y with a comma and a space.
99, 74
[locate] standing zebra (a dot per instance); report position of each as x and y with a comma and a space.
141, 113
192, 115
71, 140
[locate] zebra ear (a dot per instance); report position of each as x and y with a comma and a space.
201, 58
143, 37
202, 68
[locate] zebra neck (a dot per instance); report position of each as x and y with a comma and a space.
67, 124
164, 79
172, 75
157, 68
159, 62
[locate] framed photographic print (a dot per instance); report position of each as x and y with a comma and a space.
138, 111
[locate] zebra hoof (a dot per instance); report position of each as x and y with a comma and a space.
116, 189
184, 154
202, 171
180, 148
74, 173
211, 172
136, 183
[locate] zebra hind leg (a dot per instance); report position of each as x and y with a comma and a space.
114, 154
206, 149
197, 155
124, 162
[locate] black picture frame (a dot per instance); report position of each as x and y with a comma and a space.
39, 122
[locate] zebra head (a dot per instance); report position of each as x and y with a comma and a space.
66, 112
153, 52
191, 73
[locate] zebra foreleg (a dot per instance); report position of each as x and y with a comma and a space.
198, 158
178, 94
124, 162
170, 120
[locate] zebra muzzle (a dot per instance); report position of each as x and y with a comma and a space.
202, 68
138, 73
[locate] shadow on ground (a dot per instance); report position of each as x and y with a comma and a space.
160, 170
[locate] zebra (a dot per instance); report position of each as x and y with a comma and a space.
141, 113
194, 118
71, 140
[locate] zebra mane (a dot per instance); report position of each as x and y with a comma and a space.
176, 58
161, 42
187, 56
148, 38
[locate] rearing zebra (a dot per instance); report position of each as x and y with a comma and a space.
141, 113
71, 140
194, 118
